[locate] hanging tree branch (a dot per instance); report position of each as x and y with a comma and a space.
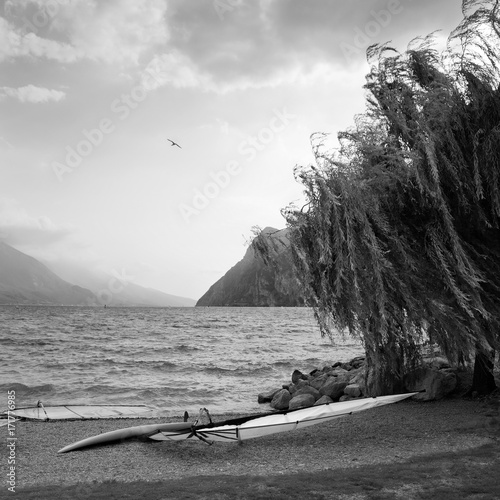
401, 239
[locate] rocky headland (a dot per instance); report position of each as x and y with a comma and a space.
254, 282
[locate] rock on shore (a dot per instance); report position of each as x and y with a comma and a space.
345, 381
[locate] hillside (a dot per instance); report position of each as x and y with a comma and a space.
253, 283
24, 280
112, 289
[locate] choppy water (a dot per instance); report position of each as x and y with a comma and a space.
173, 359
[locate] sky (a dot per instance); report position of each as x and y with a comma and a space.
92, 91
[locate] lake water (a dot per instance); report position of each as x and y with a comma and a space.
172, 359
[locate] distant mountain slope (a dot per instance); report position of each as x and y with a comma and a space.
112, 290
137, 295
253, 283
24, 280
130, 294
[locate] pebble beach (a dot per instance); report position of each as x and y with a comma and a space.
389, 434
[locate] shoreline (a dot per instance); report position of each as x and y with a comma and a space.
385, 435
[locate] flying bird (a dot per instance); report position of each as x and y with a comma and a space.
174, 143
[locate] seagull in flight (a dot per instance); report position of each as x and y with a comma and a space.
174, 143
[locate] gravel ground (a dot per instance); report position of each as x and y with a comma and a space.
388, 434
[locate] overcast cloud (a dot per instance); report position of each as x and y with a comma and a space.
90, 91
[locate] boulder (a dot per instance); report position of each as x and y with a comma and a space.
318, 381
281, 400
357, 362
345, 397
301, 401
323, 400
266, 397
437, 383
353, 390
341, 373
293, 388
307, 389
298, 375
437, 363
325, 366
333, 388
357, 377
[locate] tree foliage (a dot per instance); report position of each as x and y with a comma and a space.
400, 239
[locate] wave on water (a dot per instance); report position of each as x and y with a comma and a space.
238, 371
27, 390
150, 363
163, 357
27, 342
184, 347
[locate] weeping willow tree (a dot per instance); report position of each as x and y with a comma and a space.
399, 242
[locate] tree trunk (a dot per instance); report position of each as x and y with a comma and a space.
483, 381
382, 371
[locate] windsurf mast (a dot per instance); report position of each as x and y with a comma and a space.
40, 405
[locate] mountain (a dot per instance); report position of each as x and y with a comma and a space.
136, 295
24, 280
253, 283
115, 289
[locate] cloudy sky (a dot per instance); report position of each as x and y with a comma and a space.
91, 91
